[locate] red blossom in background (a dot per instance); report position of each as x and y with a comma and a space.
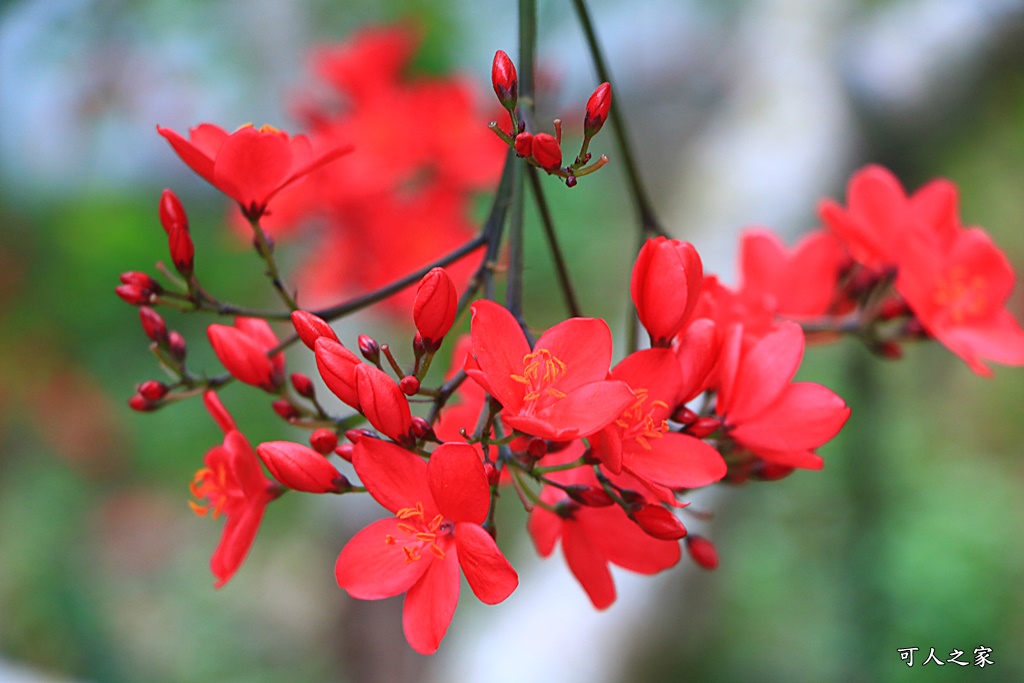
438, 510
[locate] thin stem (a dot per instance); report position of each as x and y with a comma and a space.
266, 252
514, 291
556, 250
649, 224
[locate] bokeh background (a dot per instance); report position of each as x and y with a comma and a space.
744, 112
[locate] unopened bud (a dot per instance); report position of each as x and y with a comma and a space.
311, 327
505, 80
345, 451
142, 404
323, 441
409, 385
598, 105
285, 409
887, 349
134, 295
537, 448
153, 325
435, 306
176, 345
152, 390
303, 385
421, 429
524, 144
659, 523
300, 468
547, 152
369, 347
684, 416
172, 213
702, 551
493, 475
354, 435
590, 496
769, 471
141, 280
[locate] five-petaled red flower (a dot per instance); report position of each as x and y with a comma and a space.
439, 508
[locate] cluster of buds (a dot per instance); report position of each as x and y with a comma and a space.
544, 150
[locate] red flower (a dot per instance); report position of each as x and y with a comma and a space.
665, 284
438, 509
880, 216
797, 282
233, 484
958, 291
598, 106
764, 411
243, 351
594, 537
556, 391
250, 165
504, 80
639, 440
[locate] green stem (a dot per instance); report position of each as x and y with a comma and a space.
265, 251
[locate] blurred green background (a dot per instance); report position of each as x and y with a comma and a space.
910, 537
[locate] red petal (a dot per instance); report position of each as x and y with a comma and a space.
200, 152
544, 526
587, 409
805, 416
490, 575
217, 410
625, 544
246, 466
383, 402
499, 347
584, 345
999, 339
337, 365
657, 371
395, 477
458, 483
676, 461
251, 165
765, 370
430, 605
369, 568
236, 540
241, 356
588, 564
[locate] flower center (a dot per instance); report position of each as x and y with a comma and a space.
211, 484
541, 369
638, 423
419, 533
962, 295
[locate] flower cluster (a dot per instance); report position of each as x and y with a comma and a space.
602, 454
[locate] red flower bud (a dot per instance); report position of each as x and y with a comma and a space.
323, 441
285, 409
152, 324
435, 306
134, 295
770, 471
658, 522
493, 475
303, 385
702, 551
589, 495
172, 213
524, 144
665, 285
537, 448
176, 345
243, 351
889, 350
409, 385
383, 403
684, 415
152, 390
311, 327
298, 467
505, 80
337, 366
345, 451
547, 152
421, 429
183, 252
354, 435
369, 348
141, 280
142, 404
598, 105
